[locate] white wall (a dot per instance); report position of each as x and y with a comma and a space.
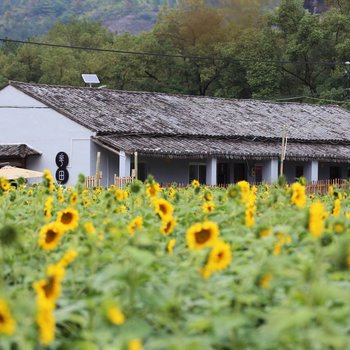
167, 170
45, 130
270, 171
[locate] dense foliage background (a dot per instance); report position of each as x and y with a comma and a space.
250, 52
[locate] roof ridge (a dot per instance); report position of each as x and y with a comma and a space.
106, 111
19, 83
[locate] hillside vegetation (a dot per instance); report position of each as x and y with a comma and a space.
245, 52
28, 18
22, 19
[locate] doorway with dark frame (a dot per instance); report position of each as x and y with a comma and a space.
239, 172
334, 172
223, 173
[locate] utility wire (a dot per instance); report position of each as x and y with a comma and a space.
155, 54
311, 98
261, 100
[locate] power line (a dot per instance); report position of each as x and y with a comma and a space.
311, 98
272, 100
168, 55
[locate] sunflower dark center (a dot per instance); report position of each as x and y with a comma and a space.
2, 318
48, 288
163, 208
152, 190
220, 255
50, 236
168, 227
67, 218
202, 236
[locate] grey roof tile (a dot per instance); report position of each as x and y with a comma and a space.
111, 111
187, 147
17, 150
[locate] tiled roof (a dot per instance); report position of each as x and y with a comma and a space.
110, 111
201, 147
17, 150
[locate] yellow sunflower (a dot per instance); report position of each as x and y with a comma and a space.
48, 208
48, 180
4, 184
265, 232
168, 226
316, 219
208, 196
115, 315
336, 208
85, 193
135, 344
208, 207
277, 248
89, 228
152, 189
60, 196
284, 238
121, 210
202, 234
163, 208
50, 289
171, 246
135, 224
68, 218
195, 183
250, 214
7, 322
244, 187
73, 199
50, 236
172, 192
67, 258
219, 258
265, 280
119, 195
298, 195
45, 319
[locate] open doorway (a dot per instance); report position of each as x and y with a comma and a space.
239, 172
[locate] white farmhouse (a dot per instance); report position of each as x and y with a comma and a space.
178, 138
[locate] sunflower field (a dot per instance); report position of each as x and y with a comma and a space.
156, 268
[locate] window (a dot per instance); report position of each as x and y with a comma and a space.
258, 173
198, 172
299, 171
239, 172
223, 173
142, 171
334, 172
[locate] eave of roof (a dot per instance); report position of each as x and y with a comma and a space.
189, 147
17, 150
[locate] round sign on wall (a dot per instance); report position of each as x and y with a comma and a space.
62, 175
62, 159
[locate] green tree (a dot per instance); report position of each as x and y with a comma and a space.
302, 39
192, 29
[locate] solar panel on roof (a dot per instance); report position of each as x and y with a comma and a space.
90, 78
